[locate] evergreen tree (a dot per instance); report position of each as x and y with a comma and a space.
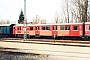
21, 17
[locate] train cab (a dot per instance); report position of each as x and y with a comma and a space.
18, 30
87, 31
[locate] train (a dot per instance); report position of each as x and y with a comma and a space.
56, 31
6, 30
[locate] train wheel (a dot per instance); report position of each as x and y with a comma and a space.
85, 38
88, 38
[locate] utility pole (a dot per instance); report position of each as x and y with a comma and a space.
25, 22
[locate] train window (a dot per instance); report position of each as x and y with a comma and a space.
14, 28
52, 27
47, 27
61, 27
75, 28
19, 28
37, 28
56, 27
43, 27
31, 27
67, 27
89, 27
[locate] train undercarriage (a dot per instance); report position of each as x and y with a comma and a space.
84, 38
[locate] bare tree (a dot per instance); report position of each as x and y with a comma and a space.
56, 18
81, 6
74, 15
85, 6
63, 15
88, 12
66, 11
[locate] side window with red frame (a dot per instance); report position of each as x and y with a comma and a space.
67, 27
61, 27
17, 28
37, 28
43, 27
54, 27
31, 27
75, 28
47, 27
89, 27
14, 28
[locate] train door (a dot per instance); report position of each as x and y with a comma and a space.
54, 31
14, 29
37, 31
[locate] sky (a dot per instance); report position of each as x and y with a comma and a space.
45, 9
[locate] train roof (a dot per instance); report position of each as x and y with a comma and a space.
5, 24
51, 24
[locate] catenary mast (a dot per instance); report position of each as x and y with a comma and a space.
25, 22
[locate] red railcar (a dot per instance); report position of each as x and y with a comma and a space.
42, 30
70, 29
54, 30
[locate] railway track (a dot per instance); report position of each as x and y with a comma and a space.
50, 40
